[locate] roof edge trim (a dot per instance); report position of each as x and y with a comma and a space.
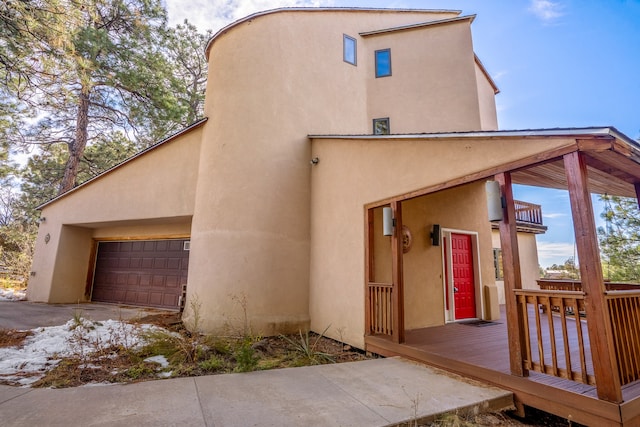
316, 9
492, 82
419, 25
605, 131
125, 161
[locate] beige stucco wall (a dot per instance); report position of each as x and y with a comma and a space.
273, 80
486, 101
436, 66
152, 196
529, 267
354, 172
461, 208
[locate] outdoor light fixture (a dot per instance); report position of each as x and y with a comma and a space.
435, 235
388, 222
315, 161
495, 201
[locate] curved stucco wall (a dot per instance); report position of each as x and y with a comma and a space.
272, 81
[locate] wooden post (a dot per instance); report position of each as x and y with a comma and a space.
398, 279
512, 276
369, 267
605, 365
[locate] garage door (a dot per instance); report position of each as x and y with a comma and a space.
147, 273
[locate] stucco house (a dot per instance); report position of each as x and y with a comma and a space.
340, 179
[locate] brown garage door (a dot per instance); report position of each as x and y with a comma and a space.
148, 273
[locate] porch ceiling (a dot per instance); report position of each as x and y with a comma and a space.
613, 169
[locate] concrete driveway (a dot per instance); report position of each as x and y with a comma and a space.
28, 315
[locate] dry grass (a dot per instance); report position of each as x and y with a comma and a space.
176, 352
13, 338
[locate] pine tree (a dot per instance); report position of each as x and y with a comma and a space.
620, 239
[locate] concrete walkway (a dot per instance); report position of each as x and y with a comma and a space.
378, 392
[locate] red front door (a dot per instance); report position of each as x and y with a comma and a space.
464, 295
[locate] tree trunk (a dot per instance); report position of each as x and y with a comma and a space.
76, 149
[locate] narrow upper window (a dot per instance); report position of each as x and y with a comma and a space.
383, 63
381, 126
349, 49
497, 263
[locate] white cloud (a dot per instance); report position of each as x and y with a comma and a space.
554, 215
215, 14
499, 75
554, 253
546, 10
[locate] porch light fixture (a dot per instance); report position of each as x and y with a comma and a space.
435, 235
388, 222
495, 201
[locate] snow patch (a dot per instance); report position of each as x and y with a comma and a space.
77, 338
12, 294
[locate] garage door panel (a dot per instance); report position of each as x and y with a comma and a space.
173, 264
159, 263
172, 281
149, 273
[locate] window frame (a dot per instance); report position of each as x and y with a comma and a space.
498, 264
378, 63
386, 122
345, 39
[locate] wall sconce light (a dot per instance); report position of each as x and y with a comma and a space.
388, 221
495, 201
314, 161
435, 235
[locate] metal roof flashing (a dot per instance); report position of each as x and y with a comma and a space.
522, 133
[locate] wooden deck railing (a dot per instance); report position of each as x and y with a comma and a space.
576, 285
555, 344
381, 308
624, 311
528, 212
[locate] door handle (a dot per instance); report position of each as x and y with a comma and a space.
455, 289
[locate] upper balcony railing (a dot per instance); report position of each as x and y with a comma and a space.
528, 213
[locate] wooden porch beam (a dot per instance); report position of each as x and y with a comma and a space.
636, 187
397, 272
512, 276
605, 365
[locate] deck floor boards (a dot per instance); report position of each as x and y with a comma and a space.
486, 346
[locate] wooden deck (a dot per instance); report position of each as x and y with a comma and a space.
482, 352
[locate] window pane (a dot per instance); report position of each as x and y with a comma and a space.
381, 126
349, 49
383, 63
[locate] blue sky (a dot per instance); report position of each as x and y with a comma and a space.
563, 63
